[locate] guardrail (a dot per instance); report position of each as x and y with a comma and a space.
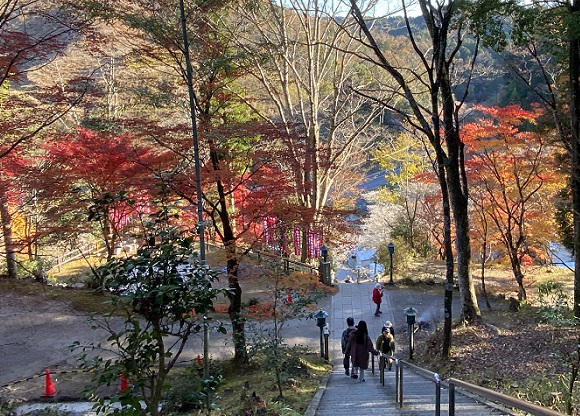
75, 254
452, 385
286, 263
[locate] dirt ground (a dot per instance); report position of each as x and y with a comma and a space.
37, 331
35, 335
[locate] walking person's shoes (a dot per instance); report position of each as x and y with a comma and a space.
346, 372
354, 376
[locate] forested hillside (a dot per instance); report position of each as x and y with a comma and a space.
493, 84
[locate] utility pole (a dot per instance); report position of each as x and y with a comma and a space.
194, 136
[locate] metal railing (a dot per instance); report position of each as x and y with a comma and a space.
452, 385
496, 397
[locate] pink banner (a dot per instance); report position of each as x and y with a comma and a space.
314, 243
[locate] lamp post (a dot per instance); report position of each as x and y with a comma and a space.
321, 322
324, 268
197, 166
391, 248
411, 316
326, 332
324, 253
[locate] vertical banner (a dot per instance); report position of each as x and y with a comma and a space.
314, 243
310, 243
270, 231
297, 241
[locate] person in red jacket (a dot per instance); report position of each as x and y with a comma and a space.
378, 298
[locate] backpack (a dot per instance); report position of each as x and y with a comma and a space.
345, 336
386, 346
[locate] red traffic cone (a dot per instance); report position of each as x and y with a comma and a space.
49, 389
124, 383
289, 299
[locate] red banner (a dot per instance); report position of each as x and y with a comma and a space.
270, 231
297, 241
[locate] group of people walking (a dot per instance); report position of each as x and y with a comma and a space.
356, 343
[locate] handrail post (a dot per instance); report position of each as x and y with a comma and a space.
401, 388
382, 366
451, 399
437, 394
397, 372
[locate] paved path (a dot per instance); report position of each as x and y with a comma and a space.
342, 395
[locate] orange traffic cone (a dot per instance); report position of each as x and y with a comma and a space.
49, 389
289, 299
124, 383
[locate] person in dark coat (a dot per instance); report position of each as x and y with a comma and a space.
360, 345
344, 341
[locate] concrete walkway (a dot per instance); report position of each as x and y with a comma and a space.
341, 395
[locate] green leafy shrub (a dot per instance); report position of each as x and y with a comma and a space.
555, 304
189, 390
31, 269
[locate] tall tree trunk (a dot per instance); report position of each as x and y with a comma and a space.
233, 262
518, 275
235, 308
235, 295
7, 232
482, 268
448, 253
441, 117
458, 195
574, 69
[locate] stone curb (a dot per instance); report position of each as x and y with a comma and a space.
313, 406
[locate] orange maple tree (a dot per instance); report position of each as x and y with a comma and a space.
513, 181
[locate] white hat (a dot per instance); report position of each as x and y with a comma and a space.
388, 324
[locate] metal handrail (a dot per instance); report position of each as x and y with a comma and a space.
473, 389
504, 399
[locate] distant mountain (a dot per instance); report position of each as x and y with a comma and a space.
493, 83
